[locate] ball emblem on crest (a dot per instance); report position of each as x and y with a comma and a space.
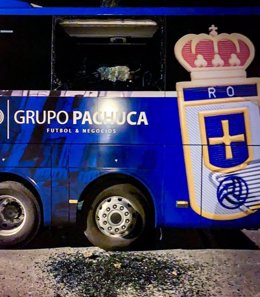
232, 192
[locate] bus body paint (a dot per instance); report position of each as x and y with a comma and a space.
69, 156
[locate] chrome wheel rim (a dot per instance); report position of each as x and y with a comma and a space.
12, 215
116, 217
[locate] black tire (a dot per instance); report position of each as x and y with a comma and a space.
20, 215
133, 202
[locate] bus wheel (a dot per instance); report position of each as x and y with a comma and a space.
117, 217
19, 214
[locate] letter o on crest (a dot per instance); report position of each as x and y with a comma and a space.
230, 91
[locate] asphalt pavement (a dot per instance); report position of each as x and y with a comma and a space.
187, 263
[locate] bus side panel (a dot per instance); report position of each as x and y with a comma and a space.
177, 200
32, 163
141, 162
60, 184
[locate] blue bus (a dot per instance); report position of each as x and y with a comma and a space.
126, 119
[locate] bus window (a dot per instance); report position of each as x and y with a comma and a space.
107, 54
25, 58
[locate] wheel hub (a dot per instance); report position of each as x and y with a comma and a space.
12, 215
116, 217
11, 212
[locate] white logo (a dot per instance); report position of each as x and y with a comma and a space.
133, 118
2, 117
